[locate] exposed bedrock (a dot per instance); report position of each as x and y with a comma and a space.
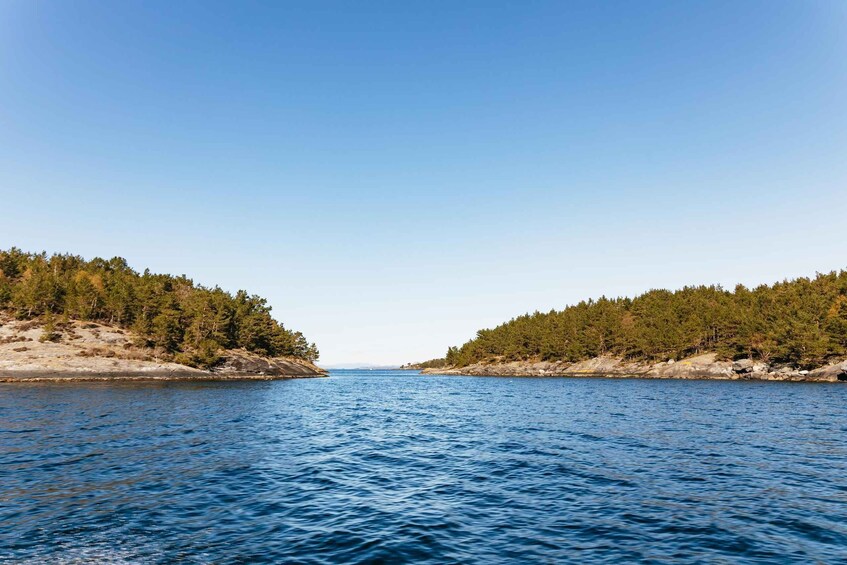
705, 366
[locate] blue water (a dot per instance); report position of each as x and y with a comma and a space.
370, 467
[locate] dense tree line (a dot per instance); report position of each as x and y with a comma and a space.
430, 364
192, 322
801, 322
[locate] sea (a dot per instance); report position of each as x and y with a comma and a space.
399, 467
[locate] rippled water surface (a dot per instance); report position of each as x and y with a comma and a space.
397, 467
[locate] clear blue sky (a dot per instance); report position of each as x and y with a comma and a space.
394, 176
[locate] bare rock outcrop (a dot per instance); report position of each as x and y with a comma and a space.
705, 366
835, 372
700, 367
88, 351
242, 362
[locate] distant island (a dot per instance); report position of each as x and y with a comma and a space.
63, 317
791, 330
360, 367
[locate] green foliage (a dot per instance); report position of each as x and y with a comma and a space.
452, 357
192, 322
205, 355
431, 364
802, 322
49, 333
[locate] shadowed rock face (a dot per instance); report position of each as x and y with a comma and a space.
246, 363
835, 372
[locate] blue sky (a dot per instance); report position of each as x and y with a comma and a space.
393, 176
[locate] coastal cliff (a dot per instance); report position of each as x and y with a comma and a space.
87, 351
705, 366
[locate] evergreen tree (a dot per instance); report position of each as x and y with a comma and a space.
189, 321
801, 322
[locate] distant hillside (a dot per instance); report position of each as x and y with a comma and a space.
360, 367
168, 317
802, 323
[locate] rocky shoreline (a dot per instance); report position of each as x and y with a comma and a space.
705, 366
59, 377
95, 352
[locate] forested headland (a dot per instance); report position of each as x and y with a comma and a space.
800, 322
191, 323
430, 364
